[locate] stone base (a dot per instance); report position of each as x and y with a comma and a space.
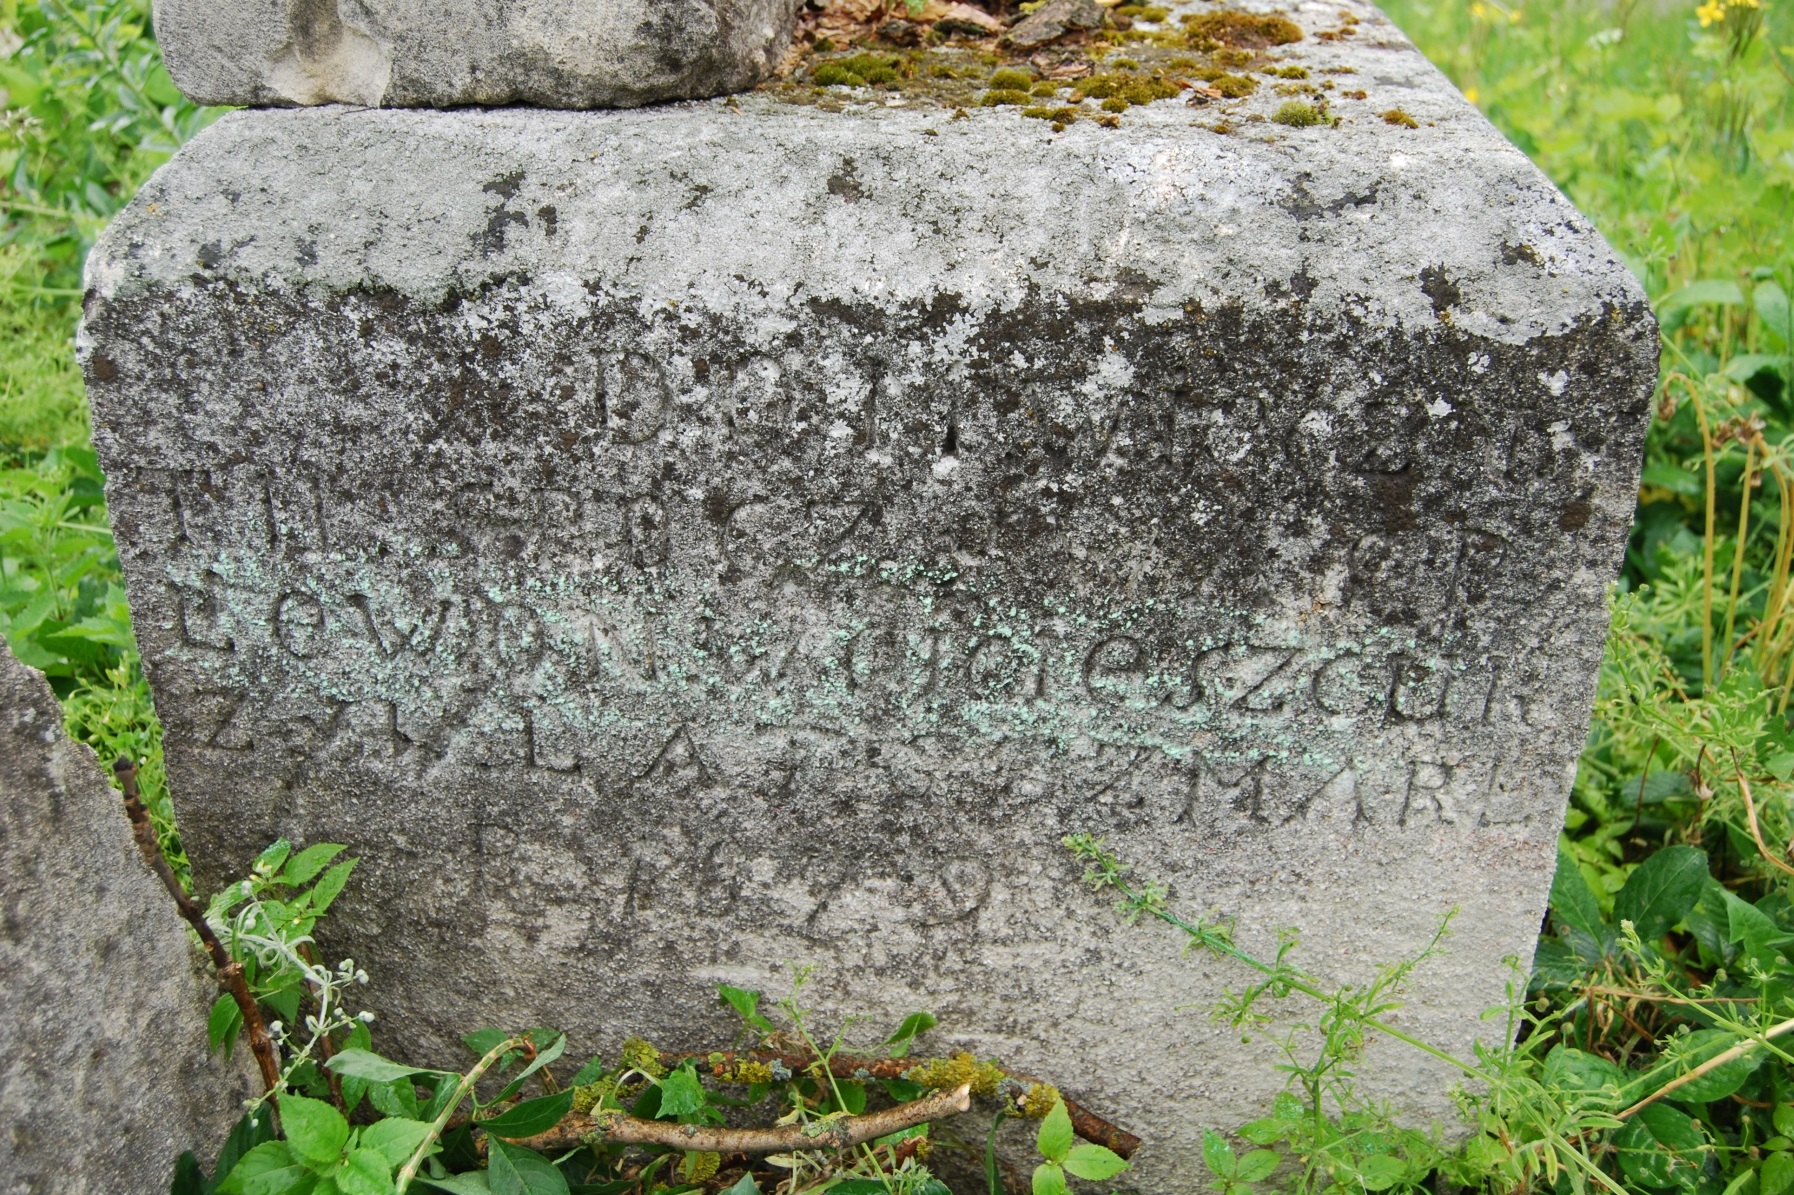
669, 544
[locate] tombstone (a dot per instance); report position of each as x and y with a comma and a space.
444, 53
104, 1072
674, 543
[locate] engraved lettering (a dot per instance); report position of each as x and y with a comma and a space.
1216, 786
637, 396
299, 624
1350, 685
1117, 665
678, 760
1480, 570
1470, 694
1242, 675
645, 532
417, 637
1000, 668
227, 733
751, 532
550, 753
1419, 690
1334, 804
202, 616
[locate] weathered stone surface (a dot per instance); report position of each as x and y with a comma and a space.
104, 1076
670, 543
443, 53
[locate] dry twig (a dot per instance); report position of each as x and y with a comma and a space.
1750, 813
1712, 1064
845, 1133
228, 970
1084, 1122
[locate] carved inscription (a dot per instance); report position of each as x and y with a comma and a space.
622, 633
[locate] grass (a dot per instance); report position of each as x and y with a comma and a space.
89, 113
1669, 125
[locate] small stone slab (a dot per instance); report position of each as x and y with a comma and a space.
445, 53
667, 544
104, 1074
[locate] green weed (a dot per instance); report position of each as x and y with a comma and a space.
340, 1116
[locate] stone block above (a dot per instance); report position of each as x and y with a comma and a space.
449, 53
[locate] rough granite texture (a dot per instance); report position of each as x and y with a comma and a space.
104, 1075
443, 53
669, 544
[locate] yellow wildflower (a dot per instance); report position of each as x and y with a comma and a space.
1712, 12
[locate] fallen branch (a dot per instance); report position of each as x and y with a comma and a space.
1084, 1123
614, 1128
1712, 1064
229, 972
1750, 813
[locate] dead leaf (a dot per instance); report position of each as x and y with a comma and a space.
959, 18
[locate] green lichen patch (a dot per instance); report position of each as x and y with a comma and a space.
1003, 96
1396, 116
1010, 79
1288, 72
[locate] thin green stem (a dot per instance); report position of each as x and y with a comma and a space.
462, 1091
1294, 981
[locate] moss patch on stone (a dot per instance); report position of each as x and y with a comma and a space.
1299, 115
859, 70
1234, 87
1241, 30
1220, 48
1129, 88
